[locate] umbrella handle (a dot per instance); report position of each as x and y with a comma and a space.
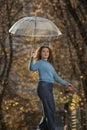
35, 31
34, 43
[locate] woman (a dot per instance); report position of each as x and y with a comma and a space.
47, 76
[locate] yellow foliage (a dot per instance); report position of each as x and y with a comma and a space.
21, 108
7, 108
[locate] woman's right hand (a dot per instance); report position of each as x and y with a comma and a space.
32, 52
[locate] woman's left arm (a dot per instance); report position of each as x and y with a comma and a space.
61, 81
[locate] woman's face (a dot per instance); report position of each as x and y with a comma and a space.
45, 53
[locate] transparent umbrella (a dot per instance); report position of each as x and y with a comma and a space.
35, 27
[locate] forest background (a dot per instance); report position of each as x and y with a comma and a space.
20, 108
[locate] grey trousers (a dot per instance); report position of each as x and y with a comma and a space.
45, 93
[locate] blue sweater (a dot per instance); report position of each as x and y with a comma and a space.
46, 72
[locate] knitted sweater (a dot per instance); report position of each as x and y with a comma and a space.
46, 71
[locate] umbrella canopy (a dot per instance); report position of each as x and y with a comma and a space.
35, 27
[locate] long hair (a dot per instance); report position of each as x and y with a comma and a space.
38, 54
